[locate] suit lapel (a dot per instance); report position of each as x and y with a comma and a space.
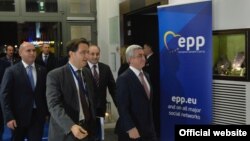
40, 59
151, 91
86, 79
24, 74
88, 87
38, 76
70, 78
101, 72
71, 86
137, 81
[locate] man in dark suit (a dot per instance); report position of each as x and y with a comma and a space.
10, 55
153, 69
103, 80
69, 97
134, 98
46, 58
3, 66
23, 96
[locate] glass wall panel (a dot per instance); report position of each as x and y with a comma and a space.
79, 6
41, 6
13, 33
80, 32
230, 54
7, 5
39, 33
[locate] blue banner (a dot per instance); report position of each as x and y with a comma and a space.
185, 33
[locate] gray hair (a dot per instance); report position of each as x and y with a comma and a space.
130, 51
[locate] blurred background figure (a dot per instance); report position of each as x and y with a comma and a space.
10, 56
124, 63
3, 66
152, 68
46, 58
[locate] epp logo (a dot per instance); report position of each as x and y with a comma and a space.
188, 42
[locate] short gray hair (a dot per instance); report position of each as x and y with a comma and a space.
130, 51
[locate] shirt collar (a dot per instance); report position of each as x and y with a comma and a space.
45, 54
74, 68
8, 57
149, 55
26, 65
91, 65
136, 71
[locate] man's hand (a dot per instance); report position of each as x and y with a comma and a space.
12, 124
133, 133
79, 132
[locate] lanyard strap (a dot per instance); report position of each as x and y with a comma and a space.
79, 80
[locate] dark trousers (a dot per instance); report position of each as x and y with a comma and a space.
87, 126
98, 130
33, 132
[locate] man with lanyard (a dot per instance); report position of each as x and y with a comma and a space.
69, 97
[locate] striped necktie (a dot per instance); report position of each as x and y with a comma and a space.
95, 74
143, 82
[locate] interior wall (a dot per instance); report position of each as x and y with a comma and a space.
226, 15
107, 21
183, 1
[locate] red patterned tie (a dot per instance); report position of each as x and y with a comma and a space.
143, 82
96, 76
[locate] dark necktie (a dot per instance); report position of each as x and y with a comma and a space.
31, 78
96, 76
11, 61
143, 82
85, 105
46, 59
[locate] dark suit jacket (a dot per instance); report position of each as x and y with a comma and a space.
106, 80
17, 96
3, 66
51, 64
63, 102
134, 107
122, 68
14, 59
153, 69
